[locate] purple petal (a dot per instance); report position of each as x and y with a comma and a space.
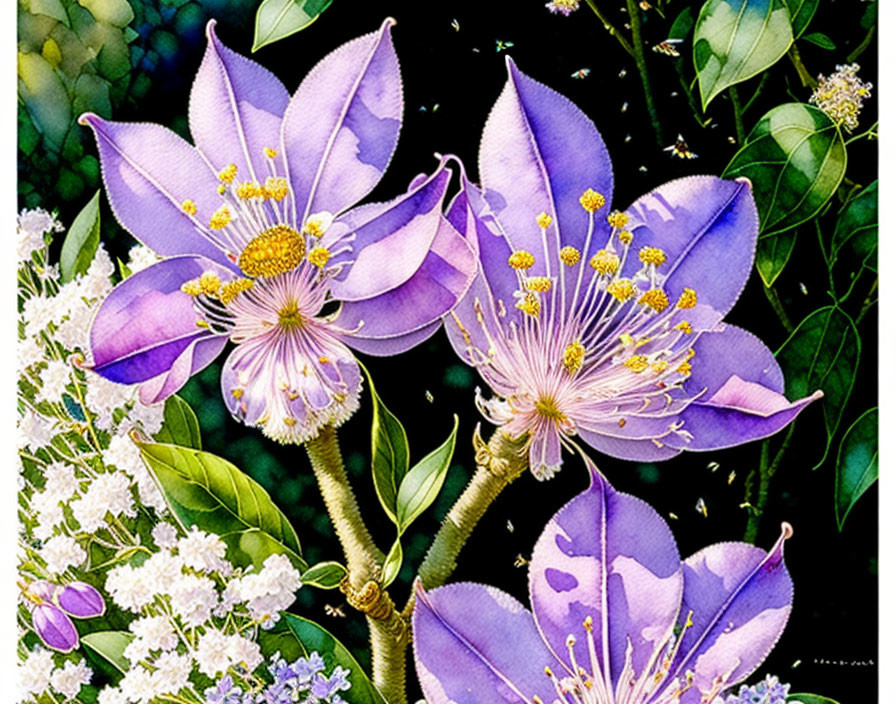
390, 346
462, 324
625, 449
54, 628
611, 557
391, 240
146, 322
539, 153
475, 644
149, 172
341, 126
81, 601
707, 227
236, 107
192, 360
740, 598
441, 280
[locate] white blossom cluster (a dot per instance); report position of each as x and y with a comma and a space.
841, 95
37, 674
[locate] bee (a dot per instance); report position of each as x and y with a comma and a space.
701, 507
731, 478
680, 149
429, 396
581, 73
502, 45
509, 526
667, 47
334, 611
520, 561
455, 25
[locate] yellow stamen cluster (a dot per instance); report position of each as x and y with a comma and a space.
270, 153
276, 187
617, 219
544, 220
249, 189
539, 284
521, 259
232, 289
684, 368
591, 200
319, 256
189, 207
685, 327
275, 251
191, 287
220, 218
228, 173
209, 282
626, 340
626, 237
530, 305
605, 262
638, 363
652, 255
655, 298
573, 357
570, 256
547, 407
314, 226
622, 290
688, 298
660, 366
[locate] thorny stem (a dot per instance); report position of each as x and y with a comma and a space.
766, 472
641, 61
805, 77
778, 307
610, 28
738, 115
860, 49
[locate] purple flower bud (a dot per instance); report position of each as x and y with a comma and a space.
54, 628
81, 601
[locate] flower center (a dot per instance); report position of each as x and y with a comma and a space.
289, 317
547, 407
275, 251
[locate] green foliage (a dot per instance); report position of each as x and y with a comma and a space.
296, 637
110, 645
810, 699
820, 40
324, 575
81, 242
736, 39
856, 230
278, 19
683, 24
390, 454
180, 427
795, 158
772, 254
822, 353
801, 13
857, 463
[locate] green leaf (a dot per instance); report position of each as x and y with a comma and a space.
43, 92
772, 255
296, 637
856, 463
324, 575
683, 24
795, 158
422, 484
50, 8
822, 40
81, 242
736, 39
210, 493
810, 699
856, 229
278, 19
801, 13
390, 455
181, 427
392, 563
110, 646
869, 17
822, 353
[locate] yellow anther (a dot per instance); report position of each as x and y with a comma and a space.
521, 259
323, 360
270, 153
529, 305
289, 422
589, 624
544, 220
605, 262
622, 290
617, 219
626, 340
202, 324
191, 287
209, 282
688, 298
249, 189
276, 187
570, 256
591, 200
237, 394
319, 256
625, 237
315, 226
652, 255
222, 189
685, 327
275, 251
691, 353
660, 366
189, 207
539, 284
548, 671
228, 173
638, 363
232, 289
684, 368
573, 356
220, 219
643, 341
655, 298
536, 699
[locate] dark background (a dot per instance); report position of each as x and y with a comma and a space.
830, 644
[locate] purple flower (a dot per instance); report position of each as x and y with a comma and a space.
616, 616
262, 249
51, 605
562, 7
767, 691
599, 324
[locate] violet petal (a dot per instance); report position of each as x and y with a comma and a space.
54, 628
81, 600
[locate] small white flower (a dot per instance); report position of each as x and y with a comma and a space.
137, 685
34, 431
111, 695
128, 588
105, 396
38, 312
49, 514
68, 680
243, 651
155, 631
193, 599
149, 417
140, 257
34, 673
29, 352
203, 551
61, 552
95, 283
54, 378
161, 569
60, 481
164, 535
32, 225
212, 654
172, 673
73, 332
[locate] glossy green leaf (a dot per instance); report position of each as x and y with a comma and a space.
856, 230
278, 19
296, 637
324, 575
423, 482
45, 98
736, 39
822, 353
869, 17
795, 158
118, 13
210, 493
857, 463
683, 24
180, 427
50, 8
81, 241
772, 255
810, 699
820, 40
110, 646
801, 13
392, 563
390, 455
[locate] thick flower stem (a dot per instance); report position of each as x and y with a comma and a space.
610, 28
738, 115
641, 60
766, 472
389, 660
805, 77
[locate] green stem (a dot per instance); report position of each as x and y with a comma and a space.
866, 42
610, 28
869, 133
766, 472
389, 661
762, 82
778, 307
688, 93
805, 77
641, 60
738, 115
870, 300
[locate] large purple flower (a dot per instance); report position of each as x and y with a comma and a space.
601, 324
51, 607
617, 617
261, 247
